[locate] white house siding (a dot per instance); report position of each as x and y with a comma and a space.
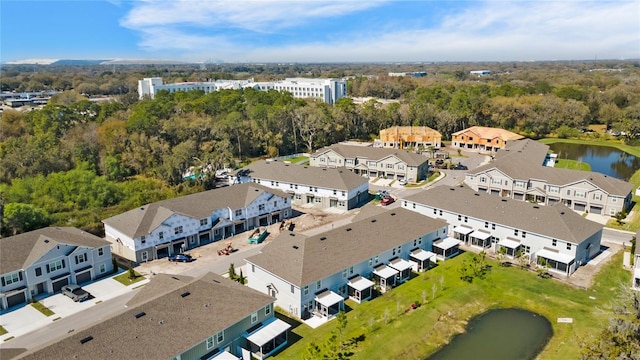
288, 296
535, 242
390, 167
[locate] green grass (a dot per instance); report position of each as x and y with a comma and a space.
572, 164
384, 326
43, 309
3, 330
299, 159
124, 278
432, 177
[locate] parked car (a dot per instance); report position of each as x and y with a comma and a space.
75, 292
181, 258
383, 193
402, 182
387, 200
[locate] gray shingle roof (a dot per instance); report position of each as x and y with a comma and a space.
141, 221
371, 153
301, 259
523, 159
172, 323
556, 221
19, 251
332, 178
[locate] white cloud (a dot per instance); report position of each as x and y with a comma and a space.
493, 30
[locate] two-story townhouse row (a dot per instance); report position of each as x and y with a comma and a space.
518, 173
310, 276
171, 226
179, 317
480, 138
403, 137
325, 188
636, 264
546, 235
373, 162
42, 261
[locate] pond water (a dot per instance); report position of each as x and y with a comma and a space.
508, 334
603, 159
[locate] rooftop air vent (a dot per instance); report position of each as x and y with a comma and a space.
536, 207
504, 200
295, 247
185, 294
561, 212
349, 229
452, 189
476, 194
46, 241
373, 220
160, 322
142, 208
393, 214
174, 278
140, 314
87, 339
324, 169
323, 238
292, 234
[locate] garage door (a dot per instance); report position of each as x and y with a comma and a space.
579, 207
595, 210
58, 284
16, 299
83, 277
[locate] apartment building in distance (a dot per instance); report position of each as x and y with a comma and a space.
415, 137
483, 139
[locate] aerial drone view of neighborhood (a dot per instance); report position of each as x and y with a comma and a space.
304, 197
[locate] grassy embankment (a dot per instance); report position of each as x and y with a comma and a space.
633, 221
386, 326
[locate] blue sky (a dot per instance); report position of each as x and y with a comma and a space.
319, 31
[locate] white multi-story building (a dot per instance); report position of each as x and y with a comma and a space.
171, 226
310, 276
327, 90
562, 238
324, 188
518, 172
44, 260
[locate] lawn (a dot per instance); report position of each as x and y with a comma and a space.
572, 164
386, 325
299, 159
43, 309
432, 177
3, 330
125, 280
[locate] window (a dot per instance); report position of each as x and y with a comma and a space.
298, 197
389, 166
209, 342
161, 235
486, 224
351, 270
220, 337
466, 219
178, 230
103, 268
459, 217
614, 199
370, 261
519, 184
253, 268
440, 212
143, 239
11, 278
321, 159
580, 194
344, 193
335, 192
239, 212
496, 181
515, 232
554, 189
267, 309
261, 207
597, 196
413, 205
315, 189
80, 258
493, 226
145, 256
554, 242
254, 317
306, 290
344, 273
483, 179
527, 249
318, 284
54, 266
568, 246
204, 222
377, 259
524, 234
38, 271
435, 211
568, 192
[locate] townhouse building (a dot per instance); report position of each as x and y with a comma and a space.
323, 188
310, 276
179, 317
403, 137
546, 235
518, 172
327, 90
483, 139
172, 226
636, 264
40, 262
373, 162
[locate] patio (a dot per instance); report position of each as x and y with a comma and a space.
385, 276
268, 338
360, 289
557, 262
422, 259
446, 248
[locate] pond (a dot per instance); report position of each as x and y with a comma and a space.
603, 159
508, 334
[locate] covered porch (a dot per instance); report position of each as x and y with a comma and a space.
221, 229
222, 355
446, 248
480, 238
636, 278
511, 246
422, 259
268, 338
462, 232
557, 262
385, 276
327, 304
360, 289
403, 267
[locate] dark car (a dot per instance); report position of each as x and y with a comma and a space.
181, 258
387, 200
75, 292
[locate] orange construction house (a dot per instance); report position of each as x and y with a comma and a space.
402, 137
481, 138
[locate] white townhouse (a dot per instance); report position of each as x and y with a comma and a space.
310, 276
563, 238
324, 188
373, 162
171, 226
636, 264
42, 261
181, 318
327, 90
518, 173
